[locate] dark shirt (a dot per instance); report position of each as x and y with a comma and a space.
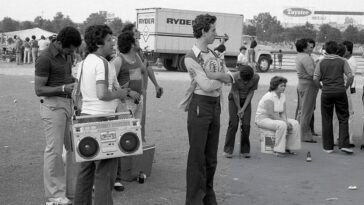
244, 87
53, 65
280, 56
131, 73
253, 44
221, 48
331, 73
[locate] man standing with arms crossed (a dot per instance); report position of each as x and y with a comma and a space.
203, 121
54, 83
307, 90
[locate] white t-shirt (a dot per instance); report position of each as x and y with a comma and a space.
94, 71
242, 59
43, 44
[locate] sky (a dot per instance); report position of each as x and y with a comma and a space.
79, 10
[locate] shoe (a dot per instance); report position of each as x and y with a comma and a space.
347, 150
352, 145
290, 152
244, 155
280, 154
227, 155
310, 141
60, 201
328, 151
118, 186
315, 134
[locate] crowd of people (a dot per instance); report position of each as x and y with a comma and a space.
114, 81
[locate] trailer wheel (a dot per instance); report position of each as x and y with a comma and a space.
181, 64
263, 64
168, 64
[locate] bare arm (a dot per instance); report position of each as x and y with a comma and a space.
104, 94
42, 90
117, 64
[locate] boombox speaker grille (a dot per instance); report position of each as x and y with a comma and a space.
129, 142
88, 147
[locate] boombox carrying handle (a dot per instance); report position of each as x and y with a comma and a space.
102, 115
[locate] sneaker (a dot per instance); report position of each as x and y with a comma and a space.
118, 186
244, 155
328, 151
227, 155
59, 201
347, 150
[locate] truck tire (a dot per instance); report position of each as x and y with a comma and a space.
167, 62
263, 64
181, 64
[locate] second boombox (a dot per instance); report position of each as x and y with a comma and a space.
105, 139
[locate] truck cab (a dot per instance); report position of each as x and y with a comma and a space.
263, 55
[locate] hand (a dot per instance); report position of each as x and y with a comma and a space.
241, 113
289, 126
192, 73
68, 88
134, 95
122, 92
158, 91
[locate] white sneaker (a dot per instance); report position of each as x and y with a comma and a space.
59, 201
328, 151
347, 150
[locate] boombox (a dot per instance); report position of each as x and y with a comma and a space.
96, 137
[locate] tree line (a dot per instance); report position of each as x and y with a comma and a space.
60, 20
264, 26
268, 28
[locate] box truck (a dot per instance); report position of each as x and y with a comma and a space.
167, 34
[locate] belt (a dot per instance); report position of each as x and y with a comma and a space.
65, 96
207, 99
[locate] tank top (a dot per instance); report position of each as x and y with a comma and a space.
131, 73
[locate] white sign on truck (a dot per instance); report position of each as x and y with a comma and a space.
168, 33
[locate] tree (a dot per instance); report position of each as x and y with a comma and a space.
249, 30
329, 33
8, 24
60, 21
26, 25
351, 33
361, 36
297, 32
116, 25
268, 28
95, 19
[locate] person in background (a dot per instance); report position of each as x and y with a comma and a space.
330, 71
221, 48
43, 44
346, 50
101, 94
242, 57
54, 83
251, 51
306, 88
34, 48
240, 96
280, 58
18, 45
27, 50
272, 114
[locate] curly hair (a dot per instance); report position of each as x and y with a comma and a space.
341, 50
69, 36
331, 47
202, 22
246, 72
275, 82
349, 46
301, 44
125, 41
95, 35
128, 27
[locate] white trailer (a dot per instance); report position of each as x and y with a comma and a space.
167, 33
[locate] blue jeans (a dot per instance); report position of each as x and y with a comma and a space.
203, 125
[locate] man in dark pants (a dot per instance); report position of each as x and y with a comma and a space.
241, 94
207, 73
330, 71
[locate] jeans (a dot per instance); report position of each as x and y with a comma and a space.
203, 125
340, 102
233, 127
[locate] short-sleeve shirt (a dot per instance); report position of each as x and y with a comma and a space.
94, 72
244, 87
53, 65
278, 103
